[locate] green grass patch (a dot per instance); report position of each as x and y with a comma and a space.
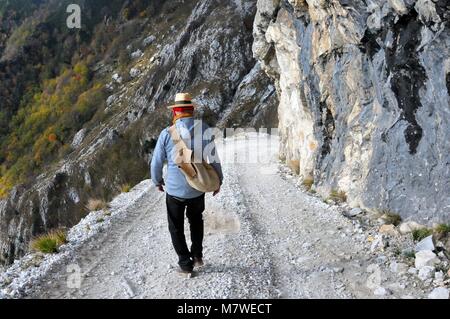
442, 229
419, 234
49, 243
409, 254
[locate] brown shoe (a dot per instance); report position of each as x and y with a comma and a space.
198, 262
185, 273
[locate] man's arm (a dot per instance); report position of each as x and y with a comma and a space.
158, 159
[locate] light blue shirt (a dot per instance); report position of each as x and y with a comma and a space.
176, 183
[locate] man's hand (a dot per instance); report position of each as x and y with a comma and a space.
161, 187
216, 192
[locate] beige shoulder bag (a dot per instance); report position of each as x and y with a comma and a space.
200, 176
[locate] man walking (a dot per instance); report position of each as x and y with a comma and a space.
181, 197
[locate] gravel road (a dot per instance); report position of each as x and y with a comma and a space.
265, 238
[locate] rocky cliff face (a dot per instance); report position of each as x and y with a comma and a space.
204, 47
364, 97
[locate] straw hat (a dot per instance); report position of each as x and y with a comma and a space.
182, 100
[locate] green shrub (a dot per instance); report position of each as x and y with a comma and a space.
409, 254
442, 229
419, 234
45, 244
49, 243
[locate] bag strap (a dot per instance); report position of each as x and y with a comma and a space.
184, 151
176, 138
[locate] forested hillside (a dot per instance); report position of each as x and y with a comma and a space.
49, 88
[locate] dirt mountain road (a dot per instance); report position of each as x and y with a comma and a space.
265, 238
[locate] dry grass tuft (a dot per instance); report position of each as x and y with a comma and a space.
125, 188
94, 205
338, 196
390, 217
308, 183
294, 165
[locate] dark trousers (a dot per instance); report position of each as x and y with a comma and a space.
194, 211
